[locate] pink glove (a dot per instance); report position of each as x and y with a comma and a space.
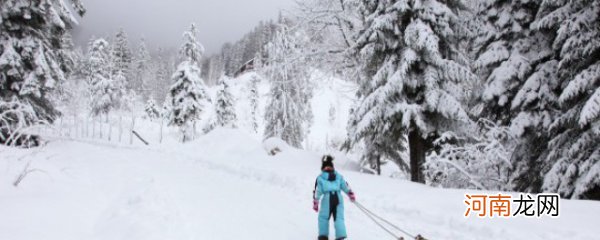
316, 205
352, 196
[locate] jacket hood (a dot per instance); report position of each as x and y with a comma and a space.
328, 175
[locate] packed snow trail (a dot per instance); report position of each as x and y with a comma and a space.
225, 186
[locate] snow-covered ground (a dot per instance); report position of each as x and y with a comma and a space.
224, 186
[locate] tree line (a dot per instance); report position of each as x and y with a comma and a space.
498, 95
483, 94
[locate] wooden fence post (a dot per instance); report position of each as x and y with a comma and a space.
160, 137
131, 130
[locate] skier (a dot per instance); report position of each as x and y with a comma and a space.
328, 188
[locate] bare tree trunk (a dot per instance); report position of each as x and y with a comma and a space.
131, 130
194, 131
93, 128
183, 133
109, 127
60, 128
417, 147
378, 165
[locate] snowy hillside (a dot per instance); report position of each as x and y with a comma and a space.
459, 120
224, 186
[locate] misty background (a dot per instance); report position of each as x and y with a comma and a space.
162, 22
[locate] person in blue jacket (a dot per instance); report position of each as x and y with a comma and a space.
328, 188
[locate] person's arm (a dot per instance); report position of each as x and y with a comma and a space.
346, 189
318, 192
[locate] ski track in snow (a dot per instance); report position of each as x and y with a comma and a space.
224, 186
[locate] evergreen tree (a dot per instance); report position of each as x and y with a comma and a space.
165, 111
227, 58
216, 68
151, 109
573, 157
141, 70
233, 55
286, 111
187, 94
506, 53
121, 52
35, 48
80, 69
258, 61
66, 54
254, 97
191, 51
534, 107
411, 68
514, 63
121, 63
102, 88
225, 105
161, 76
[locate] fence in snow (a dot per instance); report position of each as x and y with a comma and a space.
118, 128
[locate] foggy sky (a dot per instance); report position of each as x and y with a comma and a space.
162, 22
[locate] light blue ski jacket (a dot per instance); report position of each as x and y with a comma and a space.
328, 188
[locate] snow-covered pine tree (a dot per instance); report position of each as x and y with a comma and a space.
515, 66
411, 68
573, 157
165, 111
72, 59
226, 57
237, 57
225, 105
254, 97
152, 111
81, 66
66, 53
188, 94
120, 66
286, 113
102, 88
142, 70
161, 78
121, 54
534, 107
506, 52
191, 51
258, 61
34, 56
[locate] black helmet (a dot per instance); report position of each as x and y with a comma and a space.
326, 161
